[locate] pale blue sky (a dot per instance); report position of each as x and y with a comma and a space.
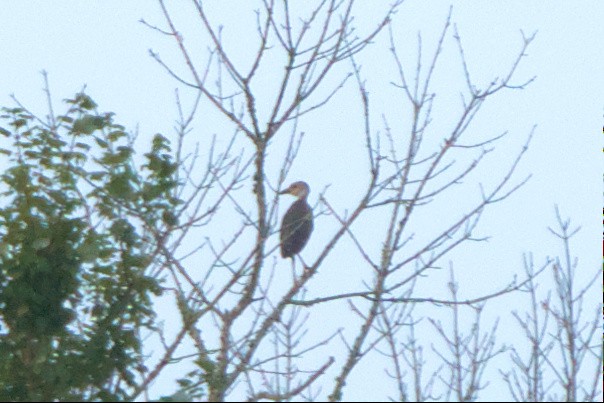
101, 44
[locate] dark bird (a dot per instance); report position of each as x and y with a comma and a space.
297, 222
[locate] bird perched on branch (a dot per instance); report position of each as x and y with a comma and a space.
297, 222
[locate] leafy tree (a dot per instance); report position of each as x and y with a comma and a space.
76, 226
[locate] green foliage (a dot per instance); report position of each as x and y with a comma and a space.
78, 220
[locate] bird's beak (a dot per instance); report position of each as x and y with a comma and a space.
286, 191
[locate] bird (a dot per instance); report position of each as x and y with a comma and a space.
297, 224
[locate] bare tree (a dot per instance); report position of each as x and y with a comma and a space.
247, 333
565, 359
469, 354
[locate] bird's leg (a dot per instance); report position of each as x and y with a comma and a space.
295, 278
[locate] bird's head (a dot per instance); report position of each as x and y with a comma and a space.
299, 189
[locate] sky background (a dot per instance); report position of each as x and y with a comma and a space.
102, 45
